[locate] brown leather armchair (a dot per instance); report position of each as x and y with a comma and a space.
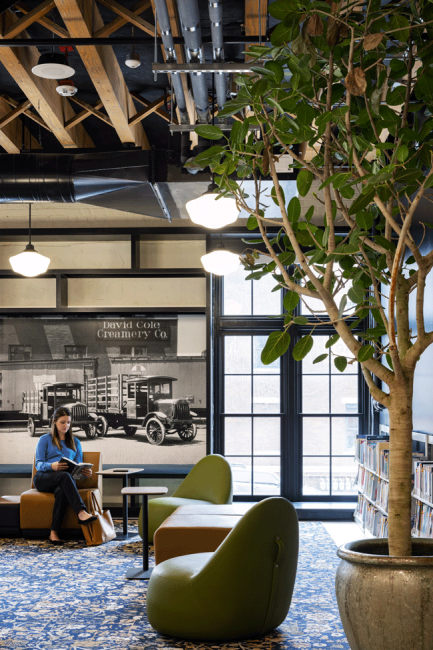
36, 508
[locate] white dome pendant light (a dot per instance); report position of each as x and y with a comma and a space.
29, 262
207, 211
220, 261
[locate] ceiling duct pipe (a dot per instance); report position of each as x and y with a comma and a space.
216, 21
190, 20
120, 180
170, 55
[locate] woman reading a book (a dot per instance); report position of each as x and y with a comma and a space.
52, 475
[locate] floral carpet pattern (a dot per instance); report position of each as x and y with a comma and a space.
76, 597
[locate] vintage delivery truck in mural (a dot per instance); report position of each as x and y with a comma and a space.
39, 405
125, 401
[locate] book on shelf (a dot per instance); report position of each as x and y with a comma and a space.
75, 469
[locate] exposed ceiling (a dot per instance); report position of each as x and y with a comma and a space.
115, 106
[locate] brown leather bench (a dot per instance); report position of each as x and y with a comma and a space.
196, 529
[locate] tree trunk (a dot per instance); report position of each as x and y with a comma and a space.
400, 468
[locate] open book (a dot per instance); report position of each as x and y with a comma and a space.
75, 468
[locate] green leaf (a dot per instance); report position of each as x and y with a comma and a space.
356, 293
342, 306
340, 363
377, 317
320, 358
275, 347
294, 209
310, 212
232, 107
274, 195
209, 132
365, 353
364, 220
276, 69
290, 301
252, 222
332, 340
389, 361
401, 24
362, 200
402, 153
303, 347
303, 181
300, 320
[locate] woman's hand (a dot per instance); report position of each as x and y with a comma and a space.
87, 471
59, 466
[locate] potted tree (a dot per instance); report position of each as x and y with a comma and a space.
347, 90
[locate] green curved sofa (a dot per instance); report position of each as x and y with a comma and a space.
243, 589
208, 482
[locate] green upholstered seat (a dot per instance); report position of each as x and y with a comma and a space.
243, 589
209, 481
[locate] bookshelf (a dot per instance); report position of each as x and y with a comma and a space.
371, 515
372, 456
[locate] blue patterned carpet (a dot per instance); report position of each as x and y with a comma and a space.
75, 597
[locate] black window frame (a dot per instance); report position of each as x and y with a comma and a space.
291, 375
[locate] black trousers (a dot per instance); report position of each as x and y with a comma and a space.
65, 493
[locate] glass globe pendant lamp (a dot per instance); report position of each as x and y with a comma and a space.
207, 211
220, 261
29, 263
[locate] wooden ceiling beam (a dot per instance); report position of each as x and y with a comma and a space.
54, 109
255, 17
14, 113
79, 117
29, 113
165, 116
119, 22
11, 133
82, 19
129, 15
30, 18
151, 108
92, 110
45, 22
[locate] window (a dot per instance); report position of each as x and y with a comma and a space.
252, 422
288, 428
20, 352
328, 431
75, 351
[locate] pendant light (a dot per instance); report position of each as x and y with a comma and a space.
54, 65
29, 262
207, 211
133, 59
220, 261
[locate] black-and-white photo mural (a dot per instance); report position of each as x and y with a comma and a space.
136, 386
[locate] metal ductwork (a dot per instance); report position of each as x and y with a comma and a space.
190, 20
216, 18
119, 180
167, 38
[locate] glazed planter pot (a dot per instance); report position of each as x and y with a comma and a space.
386, 603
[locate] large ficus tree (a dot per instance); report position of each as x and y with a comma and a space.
347, 90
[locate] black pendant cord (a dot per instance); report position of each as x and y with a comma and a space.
30, 224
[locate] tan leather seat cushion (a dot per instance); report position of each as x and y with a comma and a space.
183, 534
36, 509
237, 509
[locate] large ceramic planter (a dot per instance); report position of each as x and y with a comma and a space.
386, 603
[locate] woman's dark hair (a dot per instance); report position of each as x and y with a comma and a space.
69, 439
